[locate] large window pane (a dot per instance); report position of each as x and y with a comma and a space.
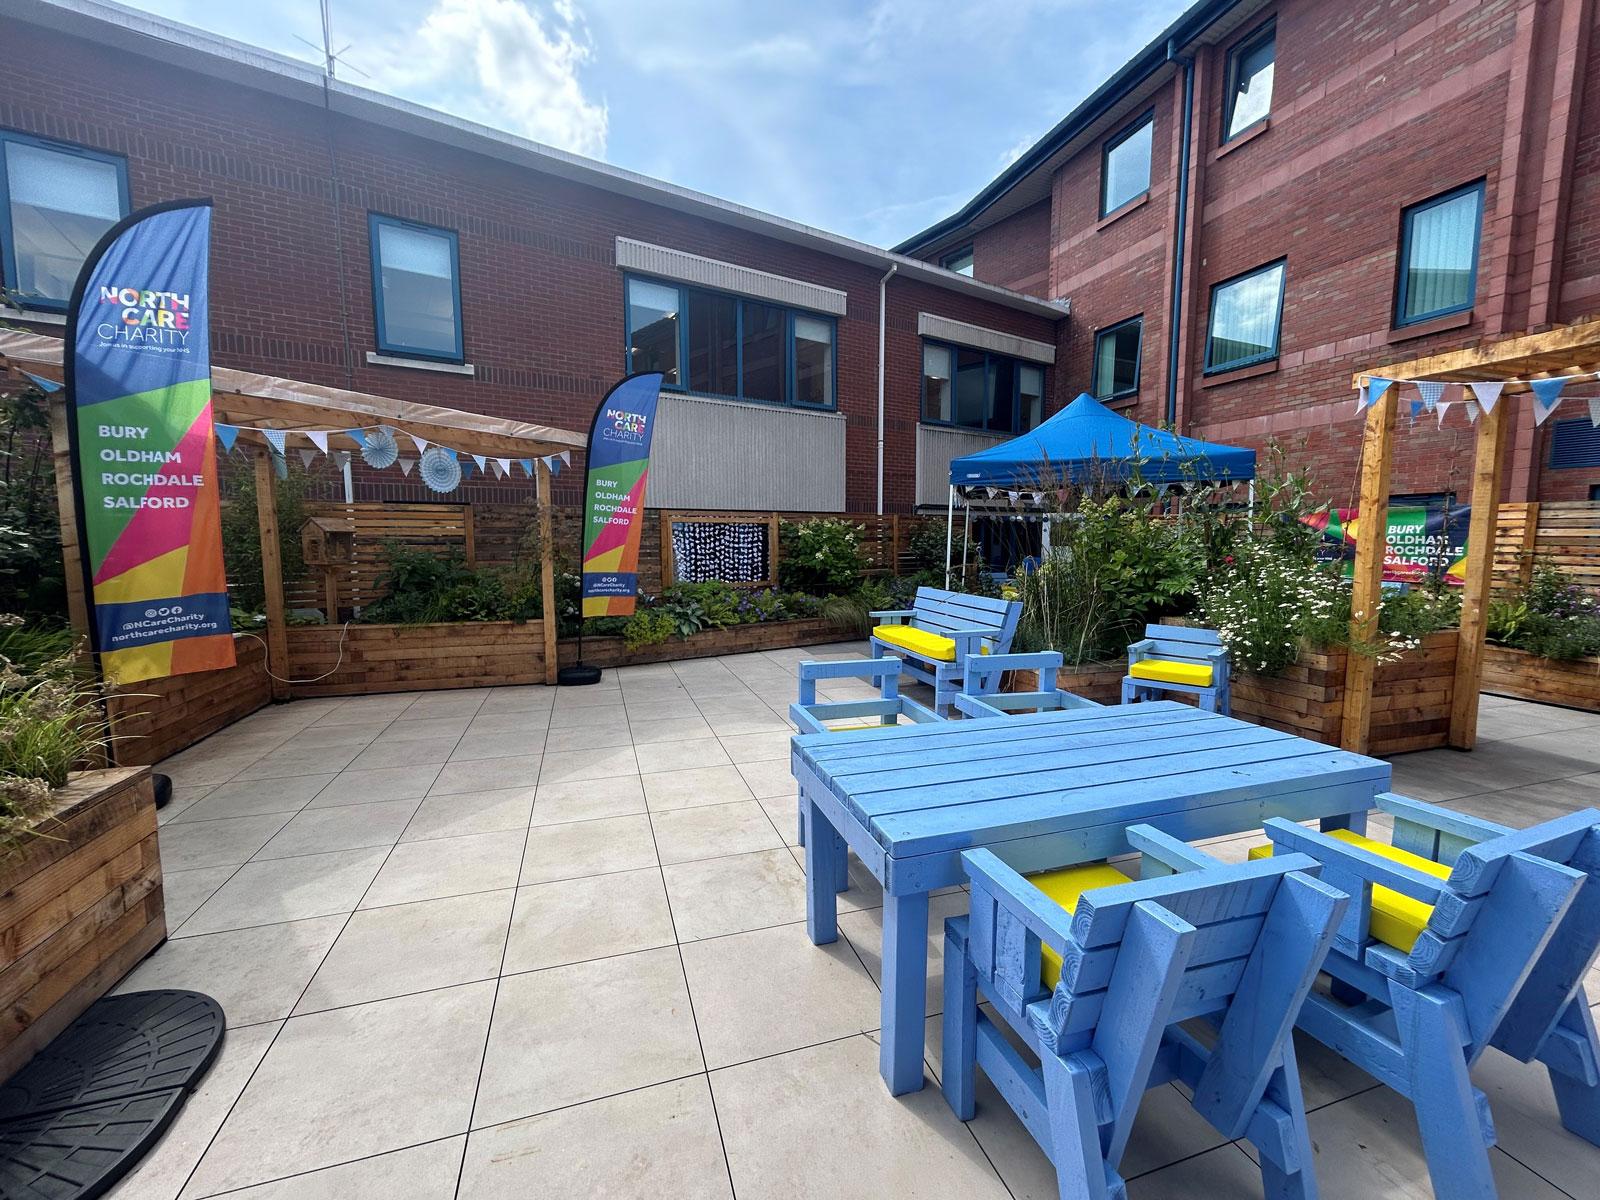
1250, 83
813, 361
1116, 360
972, 388
1126, 173
713, 344
653, 329
1245, 316
937, 392
1002, 407
1030, 396
763, 352
1439, 271
417, 270
59, 205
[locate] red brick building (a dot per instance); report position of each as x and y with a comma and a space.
367, 243
1273, 196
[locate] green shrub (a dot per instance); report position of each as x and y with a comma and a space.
648, 627
1552, 617
821, 556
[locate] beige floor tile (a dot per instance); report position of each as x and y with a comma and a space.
577, 738
771, 745
412, 729
518, 699
456, 866
351, 1082
425, 1172
357, 733
533, 723
207, 771
578, 848
730, 895
818, 1124
680, 756
188, 845
1224, 1172
1529, 1127
184, 891
160, 1174
412, 753
487, 774
702, 785
593, 917
771, 990
864, 928
368, 786
580, 1032
587, 800
783, 812
572, 766
750, 718
519, 743
287, 889
769, 777
347, 827
670, 1131
461, 702
454, 814
317, 760
255, 974
404, 948
651, 730
256, 797
712, 830
607, 710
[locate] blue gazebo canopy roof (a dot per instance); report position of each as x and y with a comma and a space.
1087, 441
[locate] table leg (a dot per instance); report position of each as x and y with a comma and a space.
1354, 822
823, 847
905, 982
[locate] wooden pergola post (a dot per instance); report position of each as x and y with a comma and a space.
1366, 593
547, 573
67, 515
272, 575
1487, 468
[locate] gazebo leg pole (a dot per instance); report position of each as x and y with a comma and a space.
547, 573
1366, 590
272, 576
949, 535
966, 539
1487, 468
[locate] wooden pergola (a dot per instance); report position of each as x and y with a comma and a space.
256, 403
1570, 350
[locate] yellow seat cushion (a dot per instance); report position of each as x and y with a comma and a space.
1166, 671
920, 641
1064, 886
1396, 919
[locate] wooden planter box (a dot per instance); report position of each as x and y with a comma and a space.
80, 905
413, 658
158, 717
1101, 682
735, 639
1574, 683
1410, 698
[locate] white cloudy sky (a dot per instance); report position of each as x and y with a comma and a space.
871, 118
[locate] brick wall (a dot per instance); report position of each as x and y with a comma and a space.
542, 298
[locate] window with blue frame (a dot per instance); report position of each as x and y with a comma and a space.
1249, 90
416, 289
1246, 318
1116, 359
1125, 165
716, 344
979, 390
1438, 272
56, 201
1574, 443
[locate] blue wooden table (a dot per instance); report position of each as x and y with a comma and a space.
1042, 790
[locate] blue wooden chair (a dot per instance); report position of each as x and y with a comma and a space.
981, 695
940, 633
1179, 658
1094, 973
1463, 935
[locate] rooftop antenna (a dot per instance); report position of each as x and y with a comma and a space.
331, 59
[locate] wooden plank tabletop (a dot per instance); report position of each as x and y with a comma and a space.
925, 788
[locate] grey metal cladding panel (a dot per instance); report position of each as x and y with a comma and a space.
751, 457
962, 334
726, 277
937, 445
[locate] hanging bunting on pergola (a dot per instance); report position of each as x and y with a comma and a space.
1440, 397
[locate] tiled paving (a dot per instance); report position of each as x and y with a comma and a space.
530, 943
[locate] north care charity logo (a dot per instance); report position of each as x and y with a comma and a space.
142, 317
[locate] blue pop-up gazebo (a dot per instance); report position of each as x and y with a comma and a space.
1088, 443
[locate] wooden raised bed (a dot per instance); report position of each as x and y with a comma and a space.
1574, 683
158, 717
1410, 698
80, 905
735, 639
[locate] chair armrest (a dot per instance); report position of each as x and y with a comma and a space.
1042, 660
973, 706
1168, 850
804, 722
919, 713
850, 668
1431, 816
893, 616
1341, 858
1216, 652
1046, 919
1140, 648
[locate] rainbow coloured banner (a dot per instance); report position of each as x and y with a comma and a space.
619, 463
1422, 544
139, 385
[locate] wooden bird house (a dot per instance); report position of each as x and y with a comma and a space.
328, 542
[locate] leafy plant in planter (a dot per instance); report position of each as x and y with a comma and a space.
821, 556
1551, 617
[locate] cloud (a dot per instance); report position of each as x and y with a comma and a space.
506, 63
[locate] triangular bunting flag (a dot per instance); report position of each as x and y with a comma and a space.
527, 465
420, 442
229, 434
505, 466
1546, 395
1430, 391
1594, 412
1472, 411
1416, 408
466, 469
406, 464
566, 458
276, 439
307, 457
48, 386
499, 471
342, 459
319, 438
1374, 391
554, 463
1443, 407
482, 460
360, 438
1487, 392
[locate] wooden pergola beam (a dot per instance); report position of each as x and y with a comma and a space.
1568, 350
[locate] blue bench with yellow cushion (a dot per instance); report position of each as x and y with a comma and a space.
1179, 658
1463, 934
942, 630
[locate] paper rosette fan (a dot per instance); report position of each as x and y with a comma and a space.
379, 449
439, 469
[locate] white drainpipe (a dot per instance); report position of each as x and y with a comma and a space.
883, 309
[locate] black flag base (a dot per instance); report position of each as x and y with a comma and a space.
577, 675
